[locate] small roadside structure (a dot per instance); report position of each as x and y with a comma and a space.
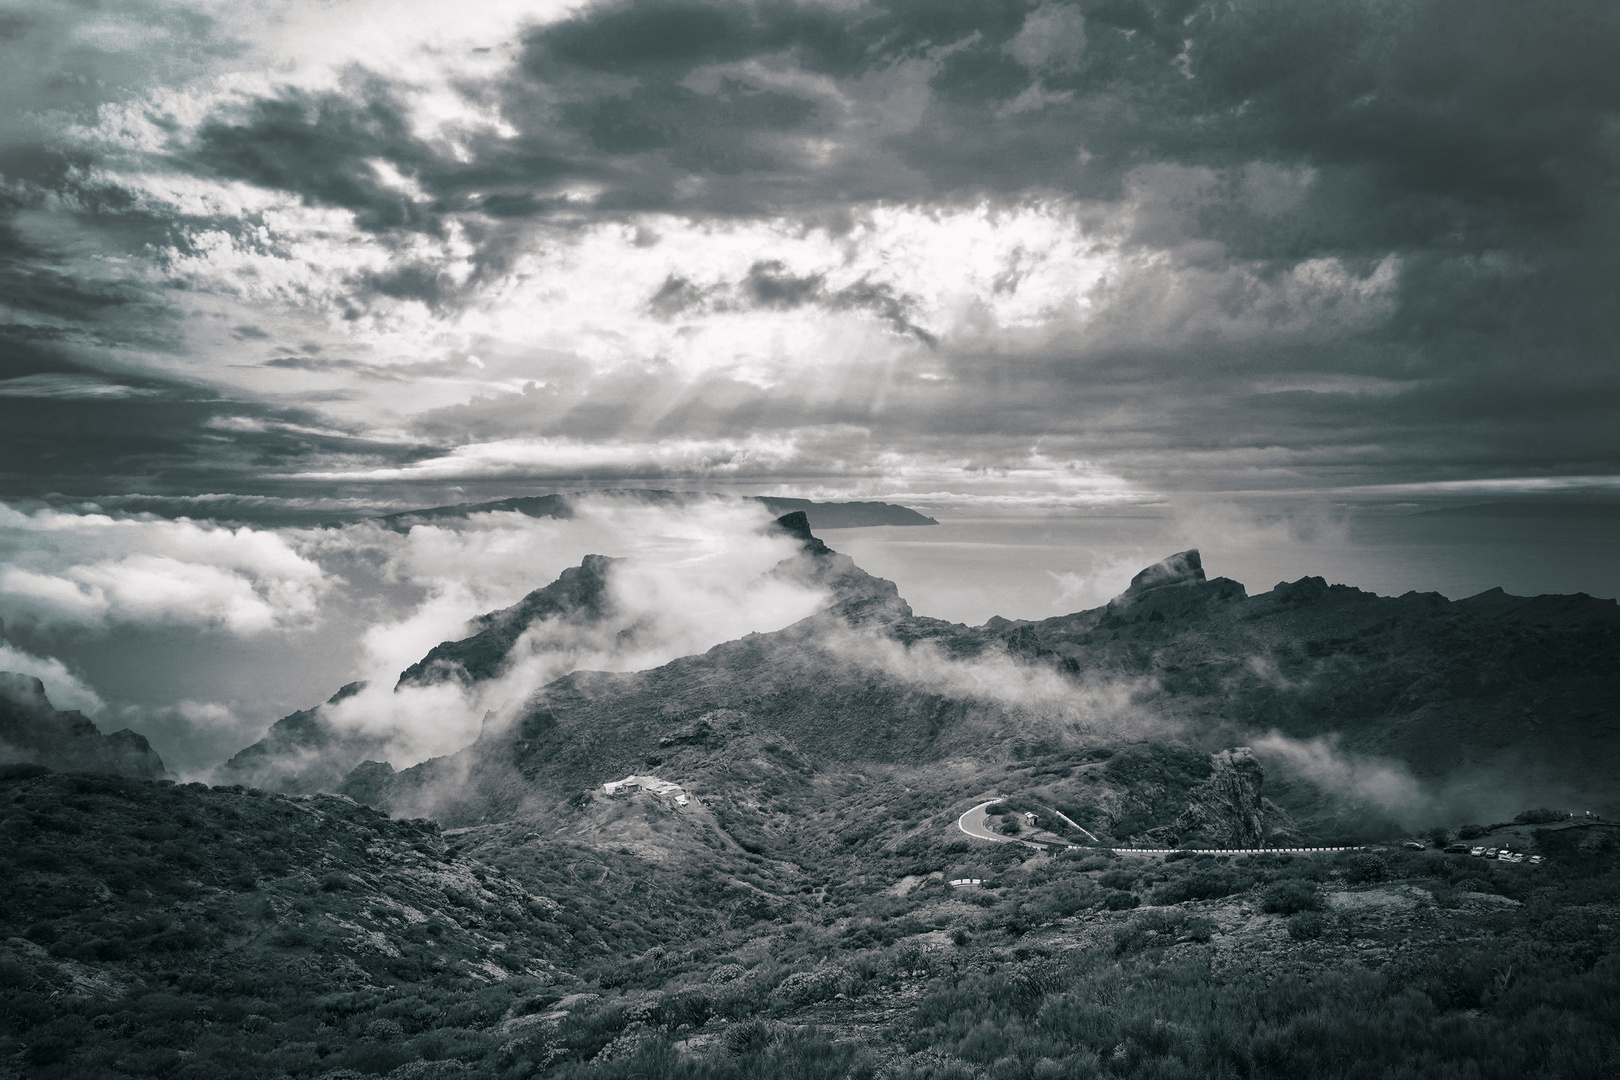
966, 882
1029, 818
649, 783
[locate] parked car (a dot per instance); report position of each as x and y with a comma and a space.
1476, 852
1413, 845
1490, 853
1535, 860
1456, 849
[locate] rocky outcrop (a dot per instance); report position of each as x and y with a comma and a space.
857, 597
1227, 810
33, 731
369, 783
302, 753
1172, 588
1178, 569
579, 595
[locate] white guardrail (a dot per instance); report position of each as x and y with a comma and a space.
1226, 851
983, 823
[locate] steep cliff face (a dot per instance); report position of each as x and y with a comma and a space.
579, 595
1227, 809
302, 753
33, 731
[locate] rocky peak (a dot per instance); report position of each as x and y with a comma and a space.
1174, 588
23, 691
857, 596
1178, 569
579, 595
32, 730
797, 525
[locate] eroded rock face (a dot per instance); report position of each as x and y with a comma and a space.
34, 731
1184, 566
303, 753
1227, 809
579, 596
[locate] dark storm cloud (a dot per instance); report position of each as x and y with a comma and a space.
1462, 125
1466, 126
770, 286
1226, 146
77, 430
318, 146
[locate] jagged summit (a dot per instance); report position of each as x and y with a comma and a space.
306, 752
797, 525
1174, 587
1178, 569
857, 597
303, 752
580, 595
34, 731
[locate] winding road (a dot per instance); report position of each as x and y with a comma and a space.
973, 823
976, 824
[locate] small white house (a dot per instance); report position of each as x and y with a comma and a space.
650, 783
1029, 818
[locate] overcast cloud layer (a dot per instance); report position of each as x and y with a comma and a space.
1095, 250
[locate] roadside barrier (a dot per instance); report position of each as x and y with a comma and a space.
1227, 851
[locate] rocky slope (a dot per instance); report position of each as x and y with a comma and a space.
35, 732
1494, 685
792, 916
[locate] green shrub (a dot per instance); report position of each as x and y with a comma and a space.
1364, 868
1307, 925
751, 1036
1290, 896
1203, 885
1542, 816
1120, 901
1118, 879
1158, 929
807, 987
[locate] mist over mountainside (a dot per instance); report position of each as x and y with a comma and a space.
1367, 714
34, 732
739, 863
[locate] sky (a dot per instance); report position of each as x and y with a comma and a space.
1258, 273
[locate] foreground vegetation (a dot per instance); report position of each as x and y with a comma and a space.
181, 931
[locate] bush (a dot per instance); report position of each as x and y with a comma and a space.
1471, 832
1307, 925
1363, 868
748, 1037
1200, 885
1158, 929
1118, 879
807, 987
1291, 896
1120, 901
1543, 816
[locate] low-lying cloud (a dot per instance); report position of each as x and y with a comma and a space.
1370, 787
65, 689
692, 577
96, 571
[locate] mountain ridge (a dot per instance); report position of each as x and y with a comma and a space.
33, 731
